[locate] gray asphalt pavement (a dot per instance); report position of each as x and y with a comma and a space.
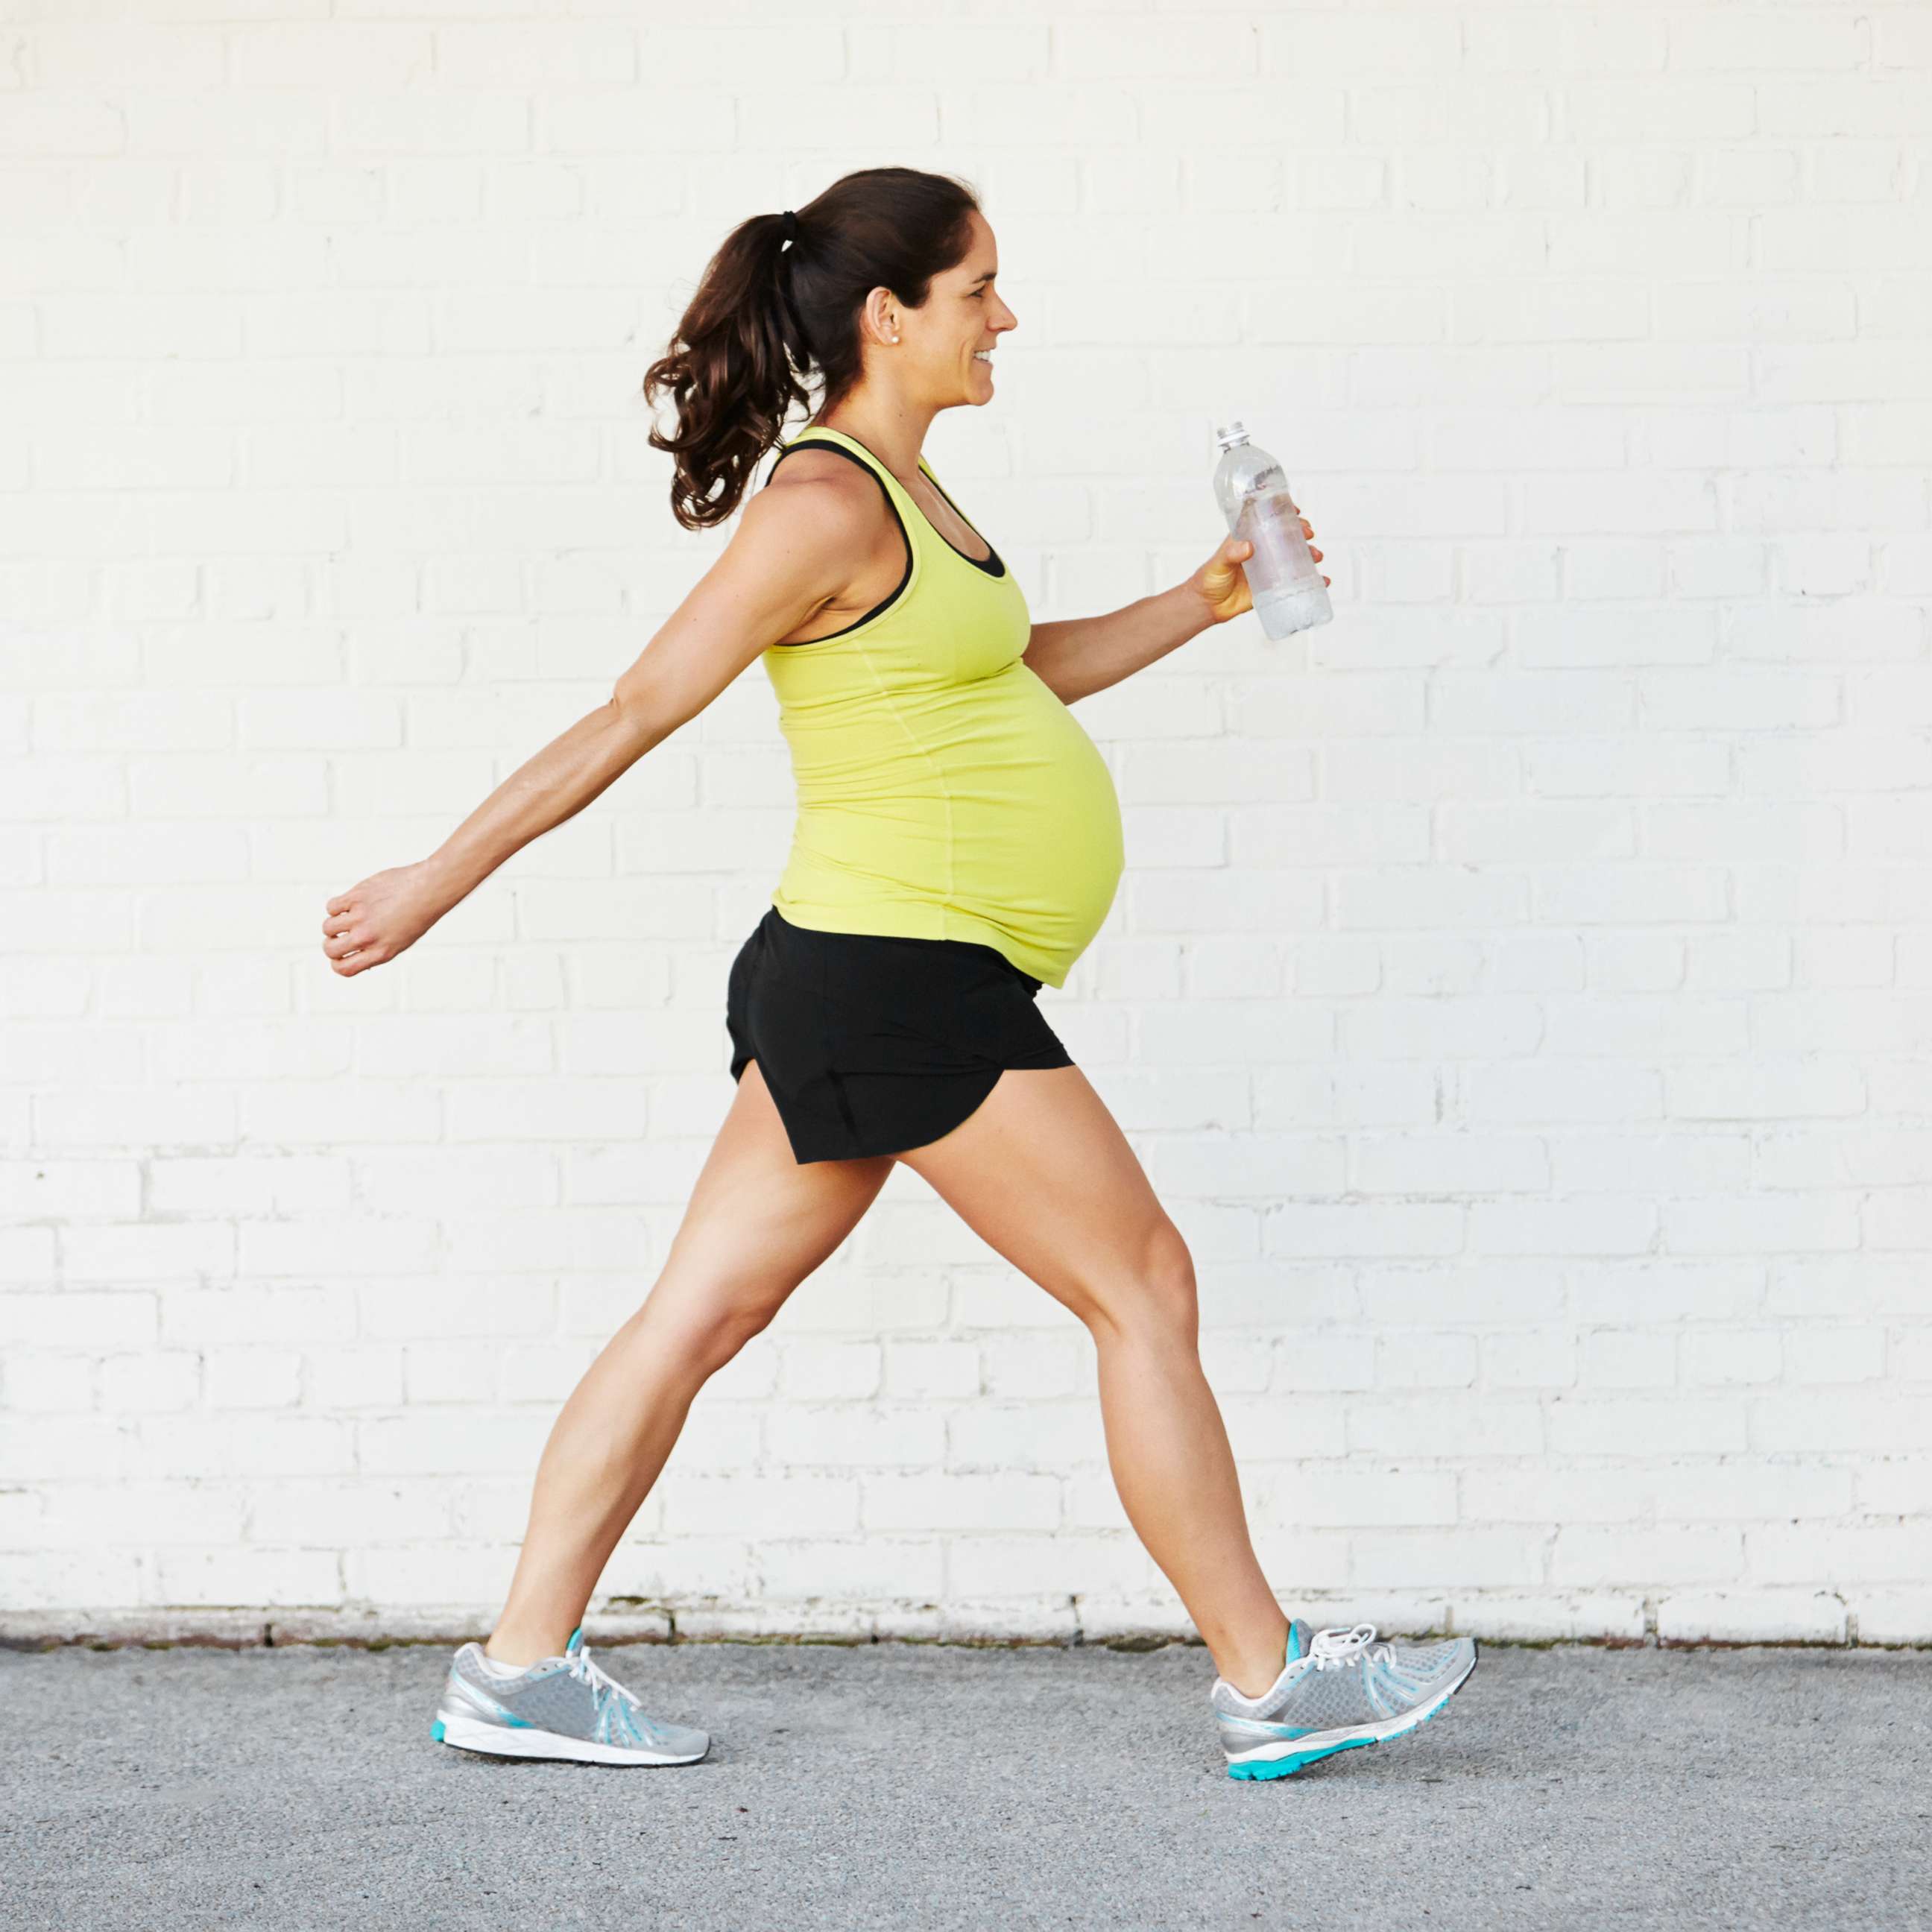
907, 1785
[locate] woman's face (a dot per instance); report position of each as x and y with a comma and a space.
941, 344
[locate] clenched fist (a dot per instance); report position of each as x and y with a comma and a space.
385, 915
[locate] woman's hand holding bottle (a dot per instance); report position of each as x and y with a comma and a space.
1221, 582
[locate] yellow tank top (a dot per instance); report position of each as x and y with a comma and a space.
943, 791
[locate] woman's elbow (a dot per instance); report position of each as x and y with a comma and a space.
649, 706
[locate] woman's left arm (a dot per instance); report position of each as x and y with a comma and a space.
1078, 656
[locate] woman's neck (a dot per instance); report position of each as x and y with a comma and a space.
895, 439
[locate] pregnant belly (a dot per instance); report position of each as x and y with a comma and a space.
984, 802
1037, 836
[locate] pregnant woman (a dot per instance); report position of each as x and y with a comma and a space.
957, 845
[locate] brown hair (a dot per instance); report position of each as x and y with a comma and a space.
765, 316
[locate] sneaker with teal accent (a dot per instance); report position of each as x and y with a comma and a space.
1338, 1689
561, 1707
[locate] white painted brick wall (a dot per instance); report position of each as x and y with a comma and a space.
1521, 990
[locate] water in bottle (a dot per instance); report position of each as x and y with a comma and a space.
1284, 580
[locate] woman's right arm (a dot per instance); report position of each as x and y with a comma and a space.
797, 546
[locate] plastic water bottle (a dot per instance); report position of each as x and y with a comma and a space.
1284, 580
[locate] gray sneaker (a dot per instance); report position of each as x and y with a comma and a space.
563, 1707
1338, 1688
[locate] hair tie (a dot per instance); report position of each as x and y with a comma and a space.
790, 227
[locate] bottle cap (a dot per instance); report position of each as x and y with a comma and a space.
1231, 433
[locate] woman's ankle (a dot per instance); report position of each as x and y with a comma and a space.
510, 1643
1255, 1673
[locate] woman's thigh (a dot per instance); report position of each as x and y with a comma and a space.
1041, 1171
758, 1221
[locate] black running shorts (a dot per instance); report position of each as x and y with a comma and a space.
871, 1044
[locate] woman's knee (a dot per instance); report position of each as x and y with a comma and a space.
704, 1340
1158, 1293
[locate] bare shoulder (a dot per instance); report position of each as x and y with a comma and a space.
832, 491
799, 545
820, 521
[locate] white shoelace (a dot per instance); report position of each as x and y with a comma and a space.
581, 1668
1335, 1649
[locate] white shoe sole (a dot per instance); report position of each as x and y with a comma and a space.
1290, 1754
472, 1734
